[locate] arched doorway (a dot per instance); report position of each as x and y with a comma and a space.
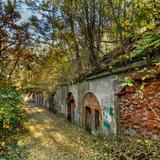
91, 112
70, 106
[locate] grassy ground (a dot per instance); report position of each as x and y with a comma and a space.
49, 137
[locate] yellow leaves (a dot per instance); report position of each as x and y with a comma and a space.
127, 24
158, 64
145, 77
6, 126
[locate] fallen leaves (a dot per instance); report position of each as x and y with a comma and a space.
52, 137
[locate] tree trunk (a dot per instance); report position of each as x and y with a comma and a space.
76, 47
15, 64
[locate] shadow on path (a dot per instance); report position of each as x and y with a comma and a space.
53, 137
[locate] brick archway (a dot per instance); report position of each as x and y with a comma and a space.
91, 112
71, 105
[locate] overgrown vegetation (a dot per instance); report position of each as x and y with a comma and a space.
78, 37
11, 109
12, 115
15, 59
64, 40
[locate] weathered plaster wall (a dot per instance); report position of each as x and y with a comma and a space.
103, 88
59, 99
78, 91
74, 90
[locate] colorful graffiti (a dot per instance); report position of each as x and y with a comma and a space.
107, 118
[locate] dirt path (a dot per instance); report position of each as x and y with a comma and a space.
50, 137
54, 138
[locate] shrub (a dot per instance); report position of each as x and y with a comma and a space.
11, 109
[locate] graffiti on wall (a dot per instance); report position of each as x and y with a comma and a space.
107, 112
107, 118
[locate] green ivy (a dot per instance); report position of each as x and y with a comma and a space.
148, 43
127, 82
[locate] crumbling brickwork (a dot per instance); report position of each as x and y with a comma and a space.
136, 115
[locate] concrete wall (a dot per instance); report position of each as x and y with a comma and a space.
78, 91
74, 90
58, 100
103, 89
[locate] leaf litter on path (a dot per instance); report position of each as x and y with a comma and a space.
52, 137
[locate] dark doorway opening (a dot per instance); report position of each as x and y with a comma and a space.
69, 112
88, 119
70, 106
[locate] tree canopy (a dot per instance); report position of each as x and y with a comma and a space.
63, 39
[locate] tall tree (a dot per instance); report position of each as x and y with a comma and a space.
14, 37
